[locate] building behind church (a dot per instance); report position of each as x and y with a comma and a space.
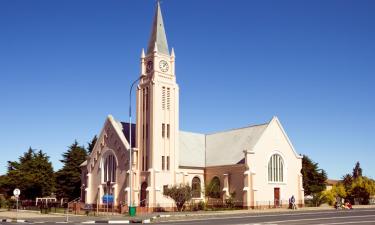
258, 162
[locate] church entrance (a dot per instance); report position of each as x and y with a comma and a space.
276, 193
143, 194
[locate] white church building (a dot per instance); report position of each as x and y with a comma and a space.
258, 162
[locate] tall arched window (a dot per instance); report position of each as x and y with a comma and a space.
196, 187
214, 188
109, 168
276, 169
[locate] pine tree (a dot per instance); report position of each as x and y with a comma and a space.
314, 179
357, 171
33, 175
68, 178
91, 144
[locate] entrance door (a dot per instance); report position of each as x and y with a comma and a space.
143, 194
276, 194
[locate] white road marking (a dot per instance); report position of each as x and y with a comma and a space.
355, 222
321, 218
118, 221
223, 217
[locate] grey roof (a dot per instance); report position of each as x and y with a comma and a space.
192, 149
217, 149
226, 148
125, 131
158, 34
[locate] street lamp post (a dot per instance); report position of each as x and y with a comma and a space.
130, 143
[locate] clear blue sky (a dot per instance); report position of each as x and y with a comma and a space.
66, 65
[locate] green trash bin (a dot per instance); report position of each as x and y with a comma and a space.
132, 210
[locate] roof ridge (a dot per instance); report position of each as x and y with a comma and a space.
240, 128
190, 132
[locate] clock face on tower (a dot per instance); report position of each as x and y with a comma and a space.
163, 65
149, 66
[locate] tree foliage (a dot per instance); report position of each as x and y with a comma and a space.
91, 144
313, 178
212, 189
32, 174
68, 178
347, 181
362, 188
355, 187
357, 171
180, 194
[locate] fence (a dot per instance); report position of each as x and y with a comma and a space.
77, 207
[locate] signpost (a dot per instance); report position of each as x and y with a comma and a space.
16, 193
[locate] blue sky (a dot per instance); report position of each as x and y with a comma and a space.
66, 65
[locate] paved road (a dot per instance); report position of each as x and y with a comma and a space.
358, 216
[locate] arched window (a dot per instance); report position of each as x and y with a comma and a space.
109, 168
196, 187
213, 189
276, 169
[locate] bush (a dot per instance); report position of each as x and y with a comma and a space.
198, 206
230, 202
3, 202
180, 194
318, 199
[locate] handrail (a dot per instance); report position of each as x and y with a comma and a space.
74, 200
67, 208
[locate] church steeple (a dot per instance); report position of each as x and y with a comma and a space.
158, 36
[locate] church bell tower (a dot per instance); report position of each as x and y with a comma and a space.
157, 117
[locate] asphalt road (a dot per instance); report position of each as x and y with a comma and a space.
356, 216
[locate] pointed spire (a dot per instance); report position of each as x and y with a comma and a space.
172, 53
143, 53
155, 47
158, 39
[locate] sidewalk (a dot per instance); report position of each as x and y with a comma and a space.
34, 216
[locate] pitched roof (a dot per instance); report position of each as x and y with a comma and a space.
226, 148
221, 148
125, 131
331, 182
158, 36
192, 149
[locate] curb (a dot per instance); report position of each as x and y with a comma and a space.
118, 221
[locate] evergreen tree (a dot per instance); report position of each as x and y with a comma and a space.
357, 171
91, 144
68, 178
347, 181
314, 179
33, 175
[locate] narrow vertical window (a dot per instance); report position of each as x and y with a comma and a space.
163, 98
146, 131
147, 98
168, 98
144, 99
168, 132
146, 162
167, 162
162, 130
162, 163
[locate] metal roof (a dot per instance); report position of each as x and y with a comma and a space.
192, 149
221, 148
226, 148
